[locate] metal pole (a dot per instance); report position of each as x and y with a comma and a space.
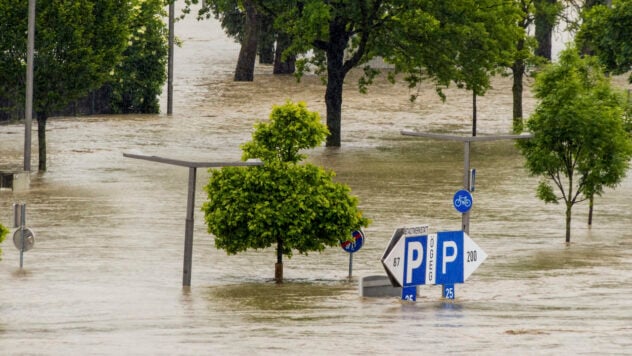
465, 219
170, 60
28, 110
22, 227
350, 264
188, 230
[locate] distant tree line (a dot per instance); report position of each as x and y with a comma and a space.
105, 56
446, 41
132, 84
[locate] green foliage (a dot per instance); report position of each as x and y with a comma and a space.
3, 233
608, 32
296, 206
77, 44
137, 80
546, 193
580, 143
291, 128
464, 42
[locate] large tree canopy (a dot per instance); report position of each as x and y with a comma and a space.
448, 41
77, 44
579, 144
137, 80
607, 32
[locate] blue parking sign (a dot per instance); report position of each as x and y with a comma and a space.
415, 261
449, 268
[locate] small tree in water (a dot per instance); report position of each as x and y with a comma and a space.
580, 143
295, 206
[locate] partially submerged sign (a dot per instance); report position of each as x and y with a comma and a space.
443, 258
397, 236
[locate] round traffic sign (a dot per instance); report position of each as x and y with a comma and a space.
462, 201
356, 244
29, 239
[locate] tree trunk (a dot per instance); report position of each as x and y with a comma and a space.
278, 267
245, 71
287, 66
569, 207
335, 80
41, 140
266, 40
591, 202
518, 69
473, 113
544, 24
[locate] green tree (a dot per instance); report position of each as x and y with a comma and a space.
547, 13
3, 233
475, 40
137, 80
523, 56
422, 38
77, 44
295, 206
607, 32
580, 145
251, 23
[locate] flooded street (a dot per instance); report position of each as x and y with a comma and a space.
105, 274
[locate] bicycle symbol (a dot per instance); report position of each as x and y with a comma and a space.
462, 200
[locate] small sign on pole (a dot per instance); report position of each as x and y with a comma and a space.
353, 246
23, 238
472, 179
462, 201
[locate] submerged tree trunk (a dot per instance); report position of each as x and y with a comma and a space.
569, 207
41, 139
245, 71
518, 69
278, 267
338, 39
266, 40
281, 66
591, 202
473, 113
544, 25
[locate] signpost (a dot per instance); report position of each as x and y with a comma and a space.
23, 238
468, 175
353, 247
443, 258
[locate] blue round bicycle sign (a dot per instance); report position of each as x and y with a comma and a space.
462, 201
356, 244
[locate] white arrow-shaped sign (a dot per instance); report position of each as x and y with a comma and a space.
394, 259
442, 258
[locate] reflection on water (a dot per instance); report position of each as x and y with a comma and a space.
105, 275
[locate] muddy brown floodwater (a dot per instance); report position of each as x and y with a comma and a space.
105, 274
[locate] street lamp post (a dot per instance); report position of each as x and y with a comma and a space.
28, 110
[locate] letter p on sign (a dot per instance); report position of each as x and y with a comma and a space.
414, 259
448, 258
